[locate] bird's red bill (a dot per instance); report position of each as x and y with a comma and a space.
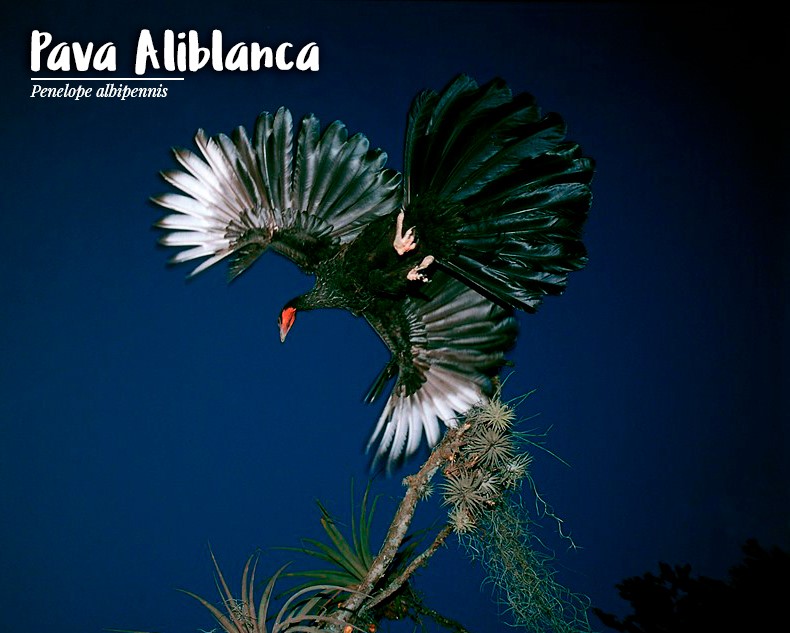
287, 318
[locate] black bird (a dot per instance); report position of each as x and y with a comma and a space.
487, 217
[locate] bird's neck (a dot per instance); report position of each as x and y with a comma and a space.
322, 295
333, 292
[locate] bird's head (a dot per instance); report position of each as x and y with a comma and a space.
286, 320
312, 300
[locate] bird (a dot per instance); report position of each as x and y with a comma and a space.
485, 219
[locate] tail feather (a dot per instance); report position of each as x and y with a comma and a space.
511, 192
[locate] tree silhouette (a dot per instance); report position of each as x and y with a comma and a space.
751, 599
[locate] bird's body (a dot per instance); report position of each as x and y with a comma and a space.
487, 218
362, 271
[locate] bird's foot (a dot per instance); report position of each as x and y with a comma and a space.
415, 275
403, 242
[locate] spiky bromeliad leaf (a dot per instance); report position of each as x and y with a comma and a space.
305, 609
350, 561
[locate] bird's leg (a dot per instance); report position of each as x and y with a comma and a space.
403, 243
415, 275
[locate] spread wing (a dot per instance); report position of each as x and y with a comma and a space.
241, 195
446, 347
509, 193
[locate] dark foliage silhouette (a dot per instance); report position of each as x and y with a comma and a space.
675, 601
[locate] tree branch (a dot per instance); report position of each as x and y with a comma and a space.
444, 451
418, 561
437, 617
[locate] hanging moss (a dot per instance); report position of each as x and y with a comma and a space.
481, 487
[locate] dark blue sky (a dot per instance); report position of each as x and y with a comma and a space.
143, 417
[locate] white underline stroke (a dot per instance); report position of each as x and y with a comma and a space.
107, 79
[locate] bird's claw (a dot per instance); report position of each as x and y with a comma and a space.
403, 242
415, 275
